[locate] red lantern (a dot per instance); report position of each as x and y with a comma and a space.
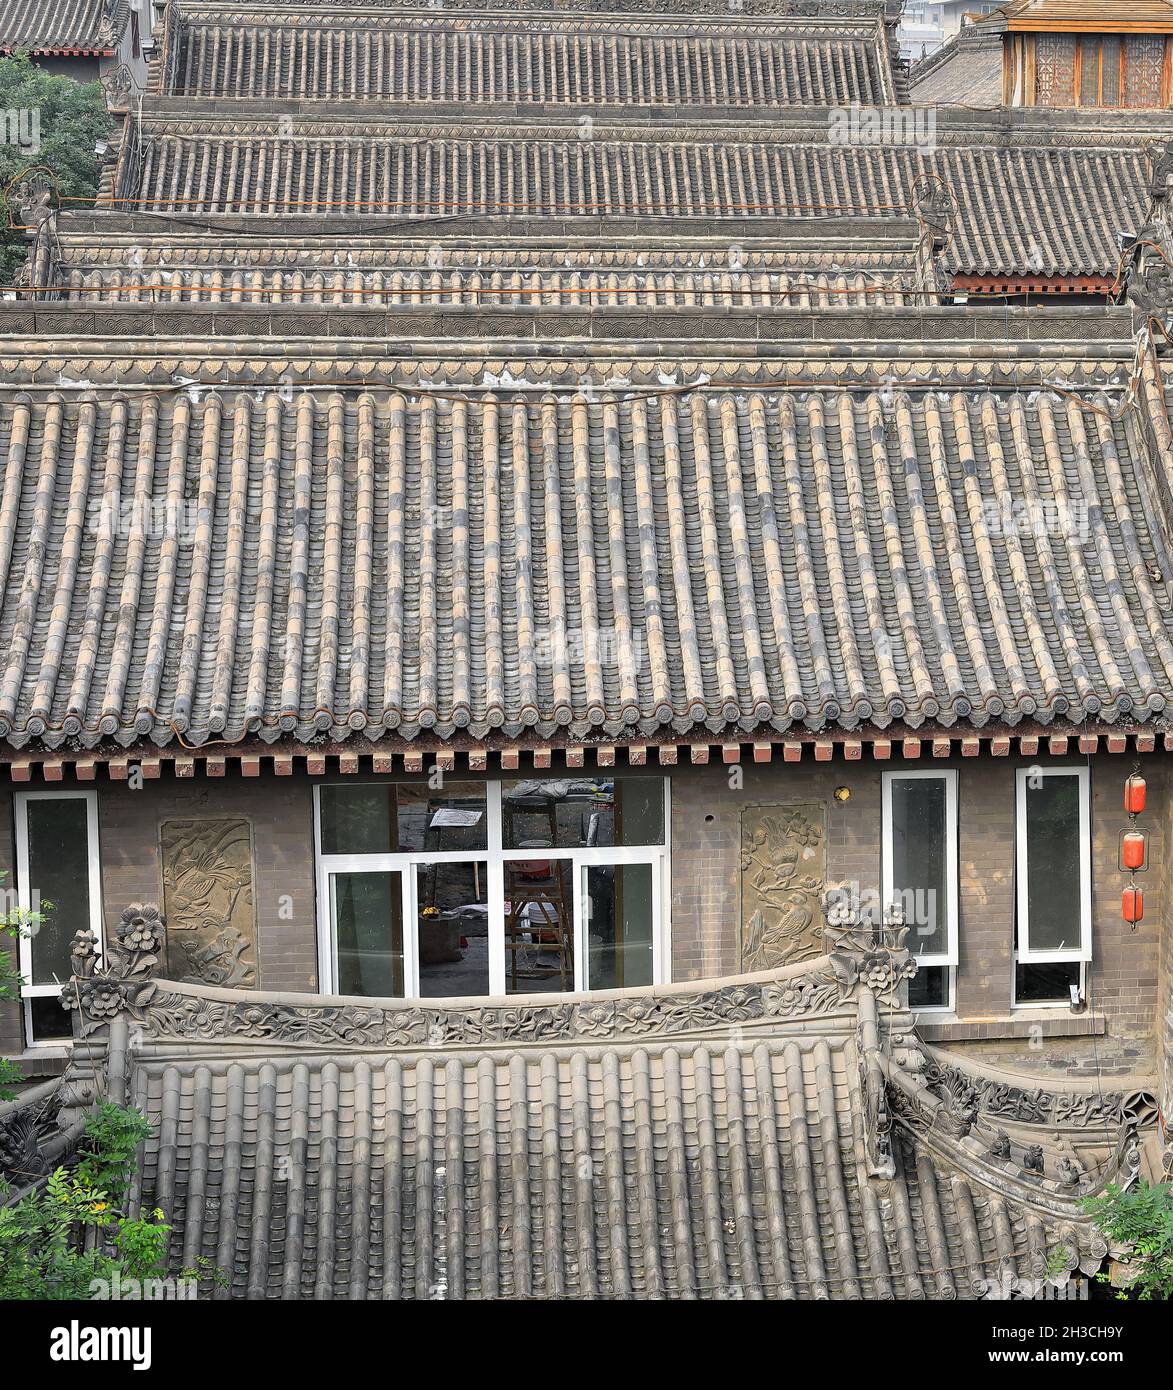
1132, 850
1134, 795
1132, 904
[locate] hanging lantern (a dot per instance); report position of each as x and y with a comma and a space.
1132, 905
1134, 795
1132, 850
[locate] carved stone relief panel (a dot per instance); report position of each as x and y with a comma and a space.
783, 877
208, 901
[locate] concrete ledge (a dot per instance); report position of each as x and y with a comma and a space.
1052, 1023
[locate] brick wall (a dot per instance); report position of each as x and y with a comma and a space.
280, 812
1123, 981
1131, 985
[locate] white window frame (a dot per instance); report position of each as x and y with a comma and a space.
494, 859
946, 959
30, 991
1080, 954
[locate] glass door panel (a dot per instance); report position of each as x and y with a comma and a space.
453, 925
539, 926
366, 920
619, 912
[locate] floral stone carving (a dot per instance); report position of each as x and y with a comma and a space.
120, 982
783, 870
208, 897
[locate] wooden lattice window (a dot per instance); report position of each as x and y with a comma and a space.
1055, 59
1144, 65
1100, 70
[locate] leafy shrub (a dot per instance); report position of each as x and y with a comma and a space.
1142, 1219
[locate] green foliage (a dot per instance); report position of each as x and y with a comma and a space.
107, 1158
73, 117
57, 1242
1142, 1219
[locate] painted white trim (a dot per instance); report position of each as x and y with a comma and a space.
952, 897
32, 991
1022, 948
493, 859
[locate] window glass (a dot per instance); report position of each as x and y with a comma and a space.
929, 988
59, 876
1046, 984
50, 1020
539, 925
920, 831
1053, 863
357, 820
618, 925
453, 929
582, 813
390, 818
367, 917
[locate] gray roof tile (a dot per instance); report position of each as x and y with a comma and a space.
1038, 201
780, 1135
56, 26
562, 566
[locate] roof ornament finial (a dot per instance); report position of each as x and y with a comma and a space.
1146, 263
936, 211
32, 198
864, 952
119, 981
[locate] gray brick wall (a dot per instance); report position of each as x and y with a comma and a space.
1131, 983
1126, 966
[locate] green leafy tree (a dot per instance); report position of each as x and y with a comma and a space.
71, 118
1140, 1218
44, 1250
73, 1239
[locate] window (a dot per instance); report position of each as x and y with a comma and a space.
471, 889
1100, 70
58, 874
1052, 883
919, 873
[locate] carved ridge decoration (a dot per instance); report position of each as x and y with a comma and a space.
25, 1131
806, 9
790, 131
391, 374
783, 876
122, 983
1000, 1100
174, 1015
209, 901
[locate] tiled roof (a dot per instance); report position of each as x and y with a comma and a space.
1046, 204
777, 1135
57, 26
569, 61
1090, 15
298, 270
967, 69
720, 559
